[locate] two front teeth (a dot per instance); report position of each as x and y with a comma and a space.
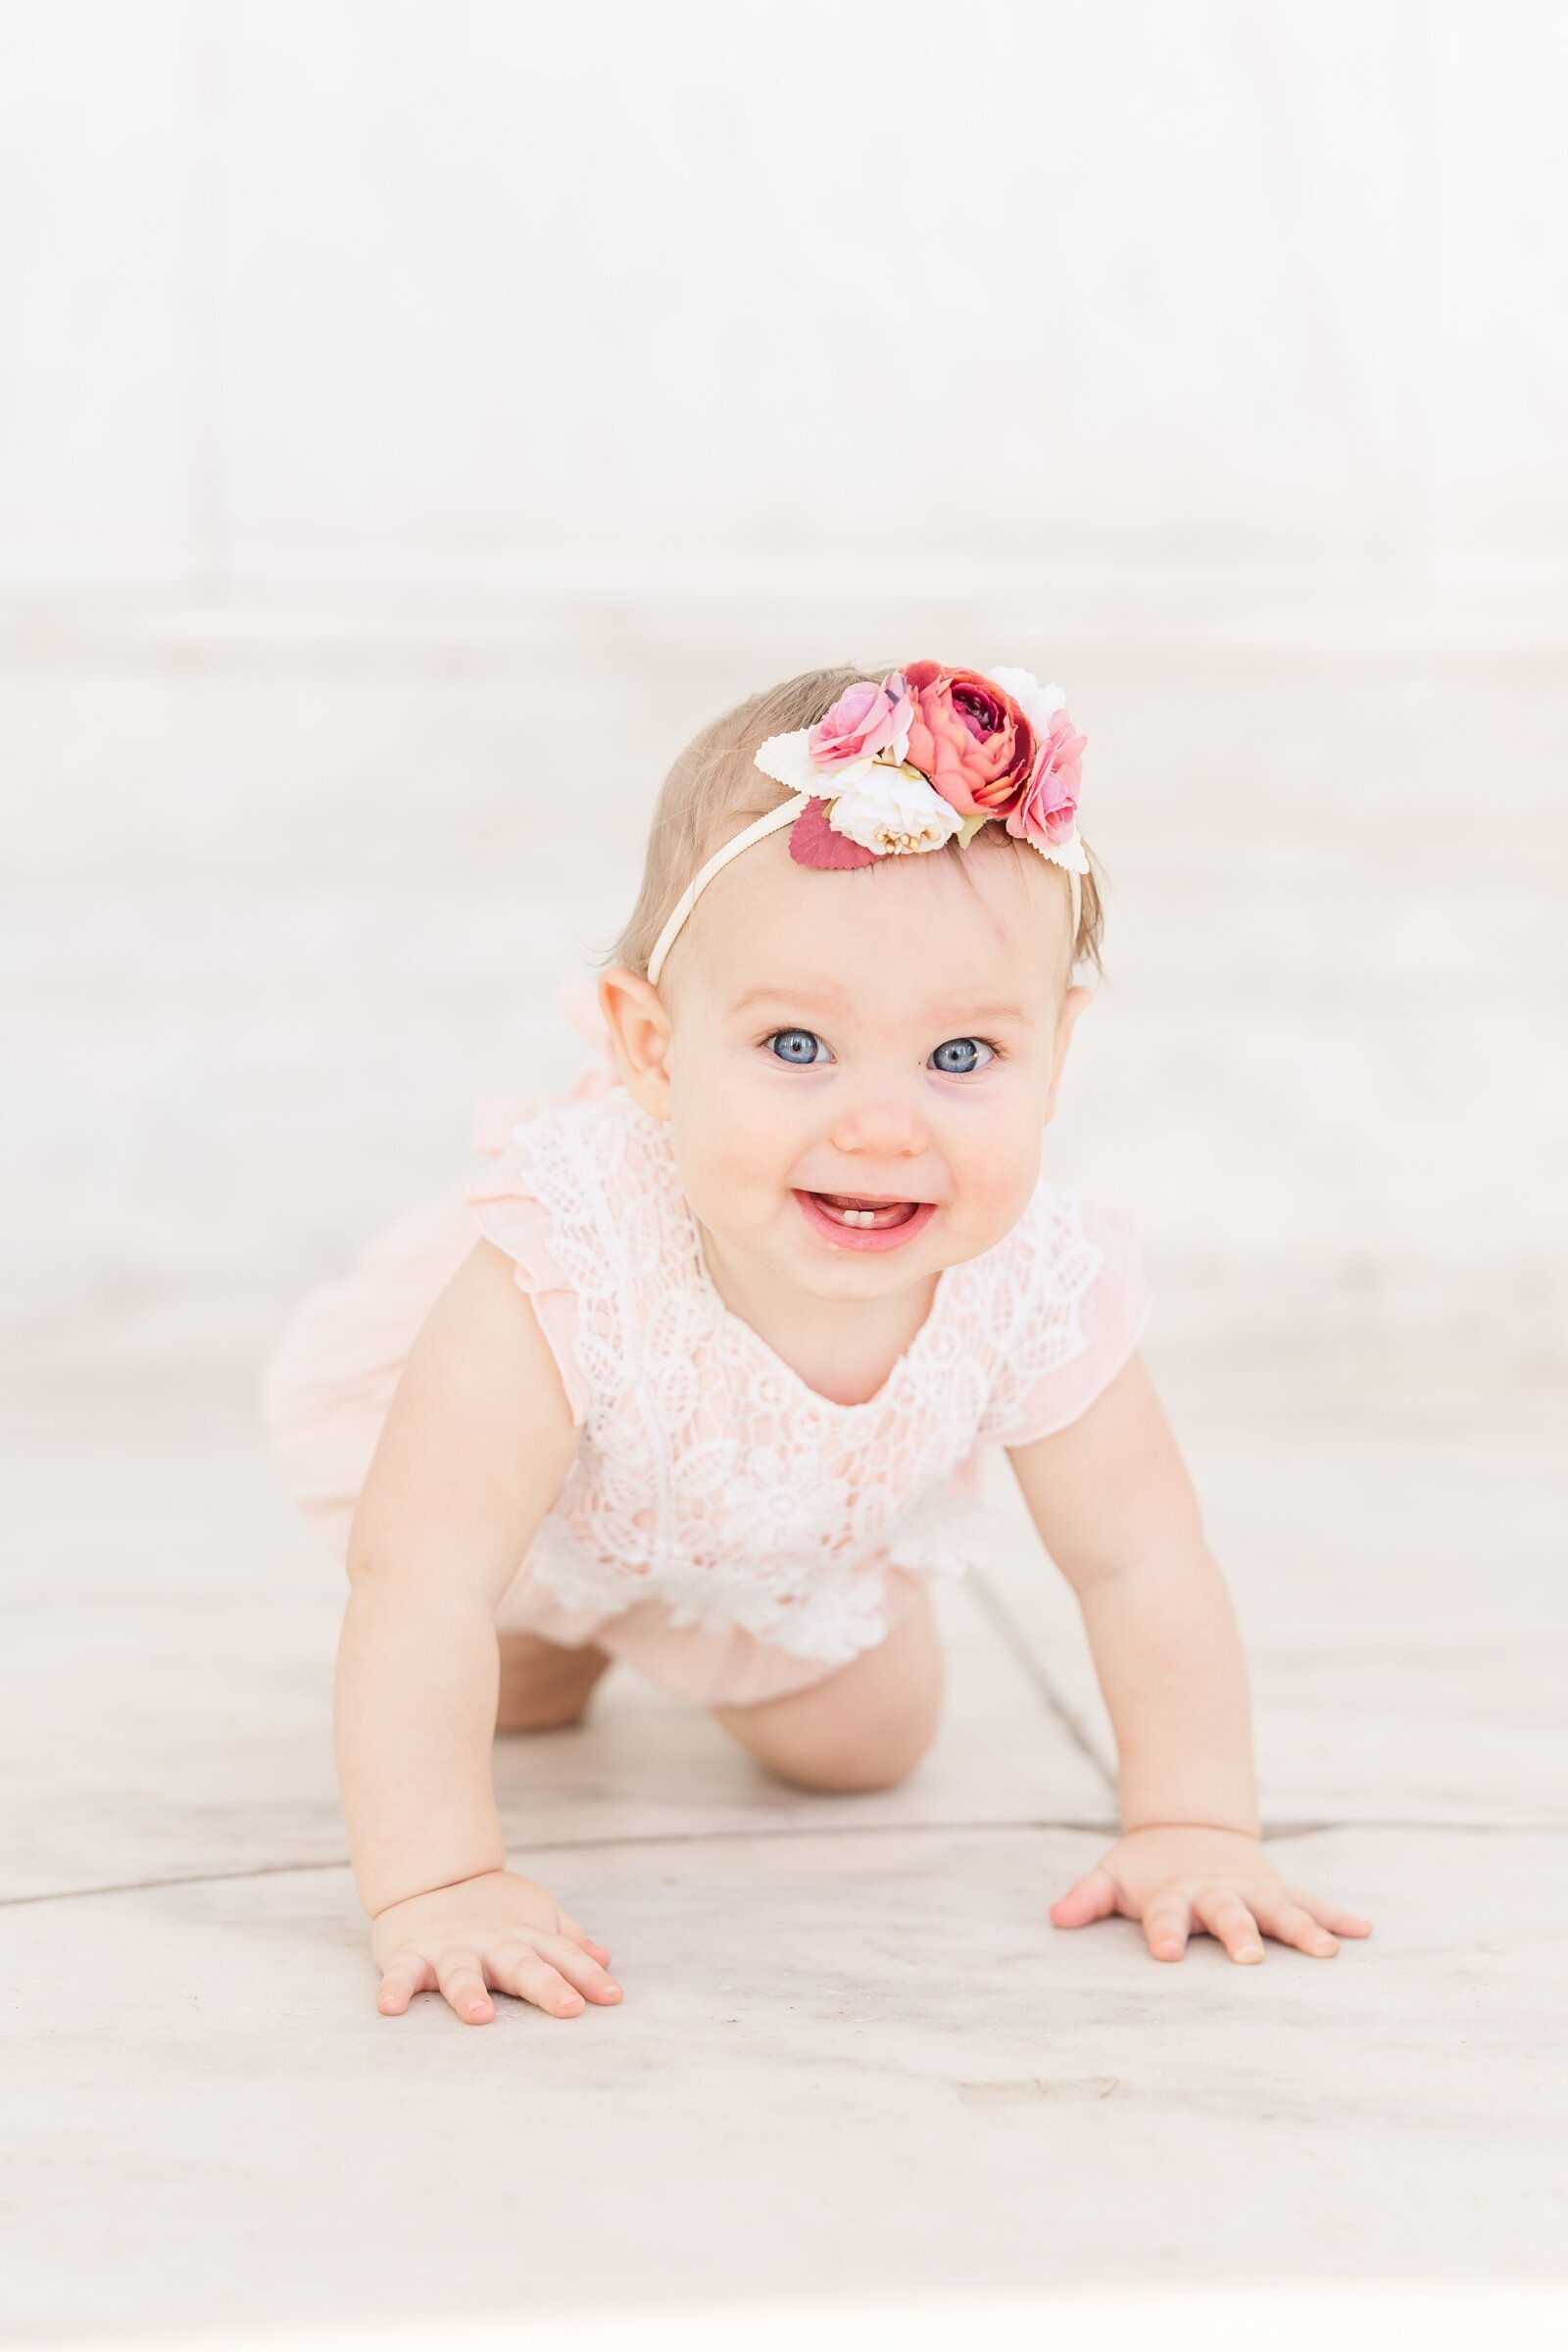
858, 1216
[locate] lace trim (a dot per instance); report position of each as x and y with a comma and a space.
1049, 1333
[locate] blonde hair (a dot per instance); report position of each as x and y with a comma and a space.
712, 791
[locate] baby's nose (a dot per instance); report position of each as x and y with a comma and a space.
881, 1125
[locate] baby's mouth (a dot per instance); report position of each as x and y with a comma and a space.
858, 1209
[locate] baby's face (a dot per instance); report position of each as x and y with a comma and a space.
859, 1067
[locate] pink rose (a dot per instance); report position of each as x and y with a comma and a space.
865, 720
969, 737
1049, 807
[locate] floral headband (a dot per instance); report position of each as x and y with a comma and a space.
923, 759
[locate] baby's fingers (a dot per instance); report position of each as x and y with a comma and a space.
1166, 1925
462, 1985
1094, 1898
517, 1968
1289, 1923
579, 1968
1225, 1915
579, 1935
1329, 1914
405, 1975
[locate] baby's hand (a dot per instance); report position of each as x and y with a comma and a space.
1175, 1880
497, 1929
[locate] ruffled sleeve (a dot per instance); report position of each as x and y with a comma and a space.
510, 1213
1085, 1307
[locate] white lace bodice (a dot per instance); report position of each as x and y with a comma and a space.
709, 1474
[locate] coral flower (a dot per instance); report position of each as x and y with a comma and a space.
969, 736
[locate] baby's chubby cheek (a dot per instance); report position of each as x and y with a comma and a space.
992, 1185
737, 1181
734, 1169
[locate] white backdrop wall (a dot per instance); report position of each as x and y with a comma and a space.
414, 417
312, 292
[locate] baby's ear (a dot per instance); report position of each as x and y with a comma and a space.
639, 1036
1073, 1004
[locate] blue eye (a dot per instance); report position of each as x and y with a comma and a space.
799, 1046
961, 1054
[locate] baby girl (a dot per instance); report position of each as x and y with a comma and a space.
697, 1373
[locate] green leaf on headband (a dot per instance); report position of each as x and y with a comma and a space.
969, 828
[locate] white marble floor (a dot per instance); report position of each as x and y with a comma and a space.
856, 2071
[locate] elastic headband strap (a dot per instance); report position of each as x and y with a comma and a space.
785, 815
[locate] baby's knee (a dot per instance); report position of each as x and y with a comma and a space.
846, 1758
864, 1728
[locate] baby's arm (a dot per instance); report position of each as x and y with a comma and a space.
475, 1447
1115, 1509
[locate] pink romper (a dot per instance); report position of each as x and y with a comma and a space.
724, 1527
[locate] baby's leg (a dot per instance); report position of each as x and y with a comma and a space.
543, 1684
864, 1726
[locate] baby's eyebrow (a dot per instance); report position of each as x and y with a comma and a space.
998, 1014
797, 995
767, 993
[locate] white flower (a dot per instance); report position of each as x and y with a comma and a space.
893, 810
1039, 704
